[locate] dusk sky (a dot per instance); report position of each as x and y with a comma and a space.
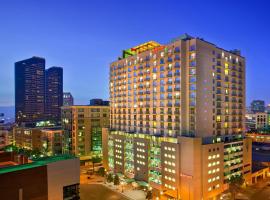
85, 36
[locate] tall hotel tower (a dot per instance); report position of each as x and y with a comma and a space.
177, 118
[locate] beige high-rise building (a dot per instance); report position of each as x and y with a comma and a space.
82, 127
177, 118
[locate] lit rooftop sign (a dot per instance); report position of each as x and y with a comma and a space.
140, 48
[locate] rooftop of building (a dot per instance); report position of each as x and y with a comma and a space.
85, 106
36, 163
32, 58
153, 45
257, 168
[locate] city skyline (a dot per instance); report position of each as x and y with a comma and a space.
84, 40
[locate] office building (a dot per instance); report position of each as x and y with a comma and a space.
257, 106
30, 90
99, 102
54, 93
177, 118
68, 99
82, 126
44, 178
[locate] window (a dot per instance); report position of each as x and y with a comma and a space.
71, 192
192, 87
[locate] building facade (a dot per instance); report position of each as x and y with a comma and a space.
30, 90
82, 126
99, 102
44, 179
257, 121
68, 99
4, 137
189, 97
48, 141
54, 93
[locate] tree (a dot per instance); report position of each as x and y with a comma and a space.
116, 180
110, 178
10, 148
95, 160
101, 171
149, 195
235, 184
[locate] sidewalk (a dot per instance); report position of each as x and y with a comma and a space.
130, 194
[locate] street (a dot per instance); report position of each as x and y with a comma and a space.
261, 191
99, 192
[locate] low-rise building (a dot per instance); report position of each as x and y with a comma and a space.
4, 139
256, 121
6, 136
167, 166
45, 140
43, 179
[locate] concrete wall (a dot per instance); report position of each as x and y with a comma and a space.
190, 177
247, 160
30, 183
105, 137
60, 174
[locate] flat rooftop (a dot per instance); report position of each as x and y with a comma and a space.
36, 163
